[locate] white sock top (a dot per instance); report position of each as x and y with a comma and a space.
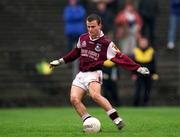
109, 112
85, 116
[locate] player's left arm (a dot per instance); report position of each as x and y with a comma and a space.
116, 56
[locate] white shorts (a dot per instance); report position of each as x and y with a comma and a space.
83, 79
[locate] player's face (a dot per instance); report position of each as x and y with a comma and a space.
93, 28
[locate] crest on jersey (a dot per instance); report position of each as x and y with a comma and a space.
98, 47
84, 44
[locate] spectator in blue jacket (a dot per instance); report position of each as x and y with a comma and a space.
74, 16
174, 21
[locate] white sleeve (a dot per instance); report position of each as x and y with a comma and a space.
112, 50
78, 44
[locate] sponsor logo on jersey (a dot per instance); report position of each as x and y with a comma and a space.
89, 53
98, 47
84, 44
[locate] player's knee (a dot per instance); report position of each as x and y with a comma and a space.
96, 97
74, 100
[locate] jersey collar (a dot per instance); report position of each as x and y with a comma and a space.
101, 35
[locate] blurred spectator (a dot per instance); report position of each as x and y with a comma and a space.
148, 10
106, 16
43, 80
174, 21
84, 3
110, 71
110, 78
129, 23
145, 56
114, 6
74, 16
43, 68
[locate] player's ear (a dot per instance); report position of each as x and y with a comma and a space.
100, 26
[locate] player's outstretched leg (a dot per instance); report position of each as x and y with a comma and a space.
75, 98
95, 93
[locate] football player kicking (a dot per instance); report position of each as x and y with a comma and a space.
92, 49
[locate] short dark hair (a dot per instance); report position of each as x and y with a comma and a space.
93, 17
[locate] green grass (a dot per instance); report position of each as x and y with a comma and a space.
64, 122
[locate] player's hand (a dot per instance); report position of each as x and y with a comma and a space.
143, 70
56, 63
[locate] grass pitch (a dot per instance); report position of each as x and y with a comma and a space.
64, 122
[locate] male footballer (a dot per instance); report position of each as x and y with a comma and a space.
93, 48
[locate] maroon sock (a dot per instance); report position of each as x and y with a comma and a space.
112, 114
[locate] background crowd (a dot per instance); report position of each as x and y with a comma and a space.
40, 32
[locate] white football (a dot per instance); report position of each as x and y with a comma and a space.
92, 125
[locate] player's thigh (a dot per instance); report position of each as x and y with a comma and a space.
94, 88
76, 92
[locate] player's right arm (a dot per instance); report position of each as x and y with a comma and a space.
71, 56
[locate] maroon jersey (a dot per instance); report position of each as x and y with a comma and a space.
93, 53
